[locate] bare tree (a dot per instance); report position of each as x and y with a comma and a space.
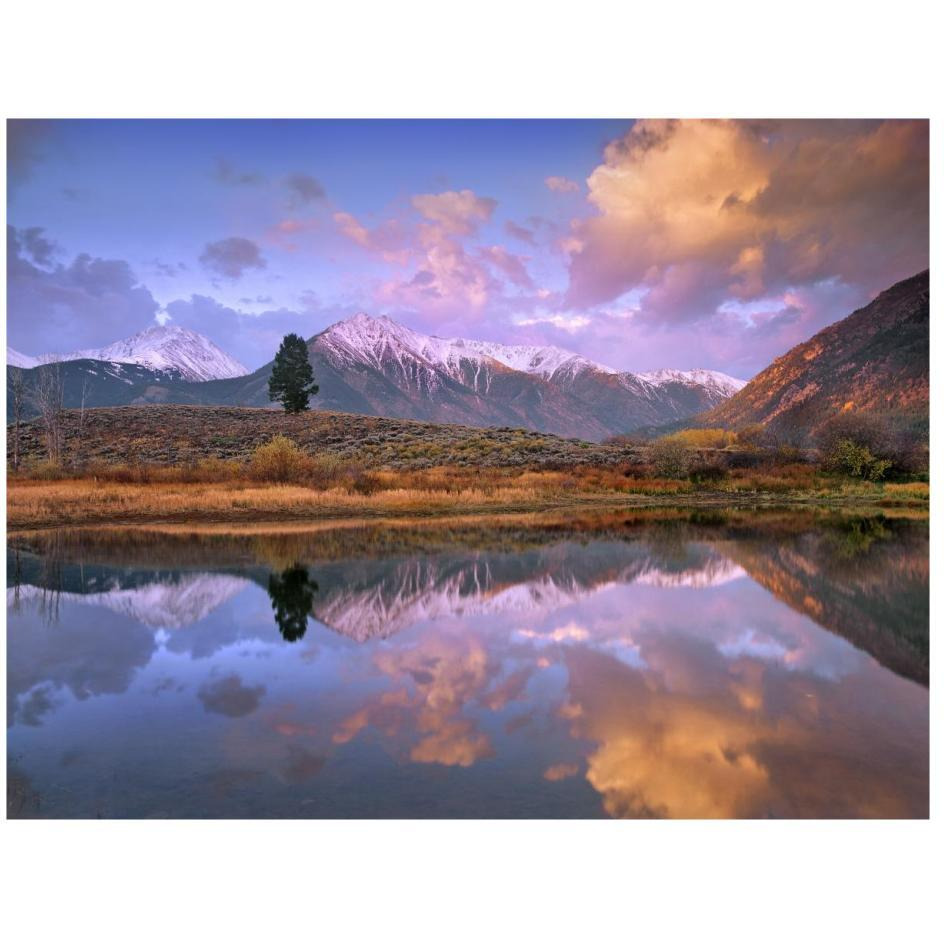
80, 426
49, 394
17, 394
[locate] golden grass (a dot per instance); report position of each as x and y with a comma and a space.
33, 503
81, 500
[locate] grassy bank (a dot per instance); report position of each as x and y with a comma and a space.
33, 503
191, 464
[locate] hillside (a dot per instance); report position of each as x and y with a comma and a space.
874, 360
174, 434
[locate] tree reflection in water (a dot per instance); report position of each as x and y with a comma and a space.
292, 594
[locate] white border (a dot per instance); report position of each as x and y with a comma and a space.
802, 881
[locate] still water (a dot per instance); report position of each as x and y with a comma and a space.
665, 665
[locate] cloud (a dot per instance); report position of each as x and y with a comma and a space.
459, 213
510, 265
232, 257
226, 173
520, 232
389, 240
304, 189
26, 143
700, 211
448, 281
568, 323
99, 654
561, 184
87, 303
40, 249
229, 696
560, 772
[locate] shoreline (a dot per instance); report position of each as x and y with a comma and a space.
41, 505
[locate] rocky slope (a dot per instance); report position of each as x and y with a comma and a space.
875, 360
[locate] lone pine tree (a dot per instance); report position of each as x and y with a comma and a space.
292, 381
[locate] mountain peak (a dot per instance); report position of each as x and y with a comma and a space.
16, 359
372, 335
724, 384
168, 347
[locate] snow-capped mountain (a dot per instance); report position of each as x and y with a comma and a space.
168, 347
363, 337
16, 359
376, 365
713, 380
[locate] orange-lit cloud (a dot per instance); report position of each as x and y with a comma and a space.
699, 211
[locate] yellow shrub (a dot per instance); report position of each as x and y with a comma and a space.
703, 438
278, 460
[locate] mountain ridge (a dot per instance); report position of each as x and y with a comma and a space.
378, 367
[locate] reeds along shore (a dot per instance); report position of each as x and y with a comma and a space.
173, 495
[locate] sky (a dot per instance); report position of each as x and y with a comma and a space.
639, 244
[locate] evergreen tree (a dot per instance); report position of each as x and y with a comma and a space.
292, 381
292, 594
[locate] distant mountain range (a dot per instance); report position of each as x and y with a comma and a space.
875, 360
162, 348
381, 368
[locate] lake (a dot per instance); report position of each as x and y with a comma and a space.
665, 664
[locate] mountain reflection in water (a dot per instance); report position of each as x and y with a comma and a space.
675, 665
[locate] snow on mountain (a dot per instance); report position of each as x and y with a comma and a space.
16, 359
375, 339
165, 604
712, 380
168, 347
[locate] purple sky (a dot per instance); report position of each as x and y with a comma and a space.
640, 244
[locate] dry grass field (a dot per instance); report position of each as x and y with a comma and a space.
37, 503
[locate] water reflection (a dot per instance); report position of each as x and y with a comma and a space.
292, 593
667, 665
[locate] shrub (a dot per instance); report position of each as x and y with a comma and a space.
703, 438
870, 446
754, 436
850, 458
707, 473
278, 460
670, 458
366, 483
46, 469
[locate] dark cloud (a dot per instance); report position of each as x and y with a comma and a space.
226, 173
302, 765
26, 142
87, 303
232, 257
520, 232
168, 270
304, 189
38, 247
38, 703
229, 696
90, 652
